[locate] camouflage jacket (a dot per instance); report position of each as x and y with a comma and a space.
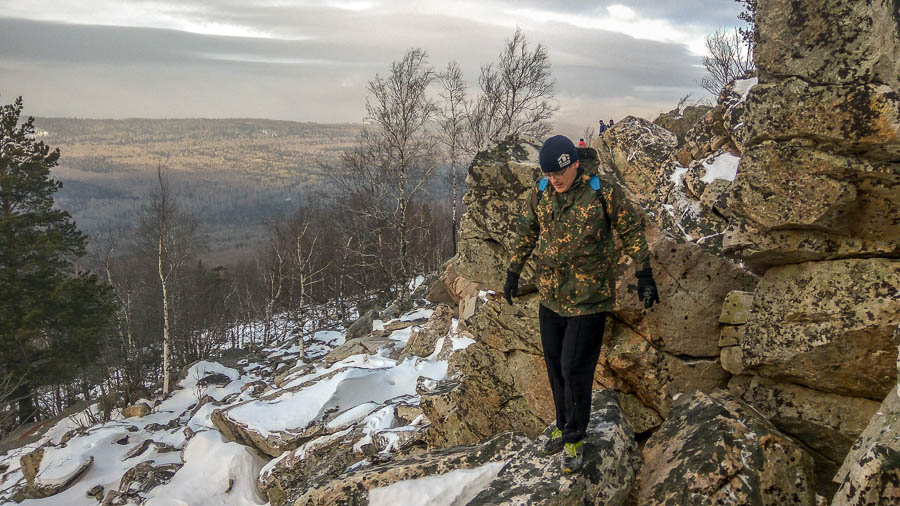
574, 251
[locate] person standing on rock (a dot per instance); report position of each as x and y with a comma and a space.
567, 221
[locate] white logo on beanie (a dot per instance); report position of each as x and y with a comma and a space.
563, 160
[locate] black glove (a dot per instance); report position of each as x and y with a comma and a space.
646, 287
511, 288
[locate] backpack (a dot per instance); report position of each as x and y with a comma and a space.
595, 184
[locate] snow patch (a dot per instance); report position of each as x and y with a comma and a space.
352, 415
346, 389
461, 343
724, 166
382, 419
456, 487
215, 472
677, 177
417, 315
742, 86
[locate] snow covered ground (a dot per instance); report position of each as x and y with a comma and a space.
351, 393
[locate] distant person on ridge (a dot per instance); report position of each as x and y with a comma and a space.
602, 127
610, 124
581, 143
567, 221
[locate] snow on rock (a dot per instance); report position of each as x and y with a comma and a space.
59, 468
352, 415
461, 343
354, 485
215, 472
202, 369
382, 419
724, 166
456, 487
420, 314
416, 282
280, 420
678, 175
106, 446
348, 388
742, 86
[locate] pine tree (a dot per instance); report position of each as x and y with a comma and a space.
51, 317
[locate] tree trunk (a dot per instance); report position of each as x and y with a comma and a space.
165, 301
27, 413
453, 200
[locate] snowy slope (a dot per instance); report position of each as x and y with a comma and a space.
351, 394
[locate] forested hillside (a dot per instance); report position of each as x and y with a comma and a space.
232, 174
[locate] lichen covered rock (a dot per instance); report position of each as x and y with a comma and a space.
827, 325
611, 463
715, 450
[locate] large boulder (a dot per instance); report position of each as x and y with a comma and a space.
293, 473
870, 474
853, 118
634, 150
422, 341
761, 250
826, 423
499, 180
268, 442
49, 470
713, 449
680, 120
874, 480
361, 345
827, 325
631, 363
829, 42
141, 478
611, 463
477, 400
721, 128
692, 286
362, 326
783, 186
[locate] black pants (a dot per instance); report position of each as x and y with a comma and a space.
571, 349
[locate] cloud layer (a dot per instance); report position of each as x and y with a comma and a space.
310, 60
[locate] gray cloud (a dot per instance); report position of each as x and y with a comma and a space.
315, 61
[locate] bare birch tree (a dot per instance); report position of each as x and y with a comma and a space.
173, 233
517, 94
453, 133
390, 167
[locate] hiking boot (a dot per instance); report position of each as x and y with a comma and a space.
573, 457
554, 444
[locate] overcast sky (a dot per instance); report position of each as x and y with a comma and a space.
309, 60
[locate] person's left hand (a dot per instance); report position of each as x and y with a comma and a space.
647, 287
511, 287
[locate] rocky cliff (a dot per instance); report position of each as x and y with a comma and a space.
774, 226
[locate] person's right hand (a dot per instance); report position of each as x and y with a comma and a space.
511, 288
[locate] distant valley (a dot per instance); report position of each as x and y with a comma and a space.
233, 174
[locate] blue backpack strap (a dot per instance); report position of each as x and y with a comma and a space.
595, 184
542, 184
